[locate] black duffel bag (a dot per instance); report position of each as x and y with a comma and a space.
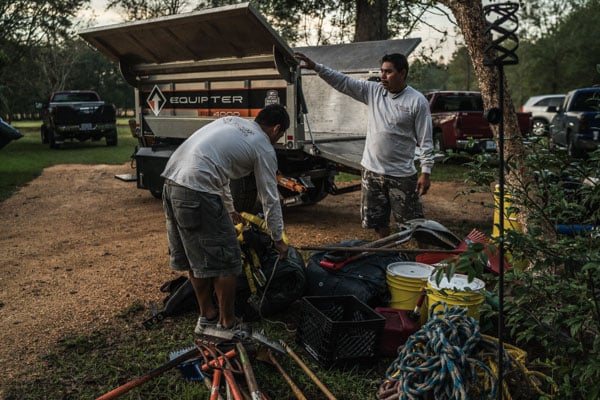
364, 278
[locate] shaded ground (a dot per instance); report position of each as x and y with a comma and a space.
79, 246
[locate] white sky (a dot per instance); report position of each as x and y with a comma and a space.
101, 17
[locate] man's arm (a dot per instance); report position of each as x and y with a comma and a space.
357, 89
266, 183
423, 184
424, 132
308, 63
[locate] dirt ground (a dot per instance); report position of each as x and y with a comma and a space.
78, 246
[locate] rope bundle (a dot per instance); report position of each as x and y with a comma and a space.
450, 359
438, 361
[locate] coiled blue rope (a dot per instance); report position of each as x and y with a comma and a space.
439, 361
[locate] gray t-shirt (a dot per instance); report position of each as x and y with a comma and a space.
397, 123
229, 148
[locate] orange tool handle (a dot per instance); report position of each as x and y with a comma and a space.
216, 384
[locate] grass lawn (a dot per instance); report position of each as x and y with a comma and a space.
24, 159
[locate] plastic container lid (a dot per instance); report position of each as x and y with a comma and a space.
459, 282
410, 269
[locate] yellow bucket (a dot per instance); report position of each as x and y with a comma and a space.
510, 219
456, 292
406, 281
510, 223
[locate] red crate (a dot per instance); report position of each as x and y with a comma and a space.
398, 327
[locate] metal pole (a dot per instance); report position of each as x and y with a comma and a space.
501, 231
502, 49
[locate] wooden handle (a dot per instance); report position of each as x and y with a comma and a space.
297, 392
308, 372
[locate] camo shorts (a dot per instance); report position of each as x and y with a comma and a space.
201, 235
383, 195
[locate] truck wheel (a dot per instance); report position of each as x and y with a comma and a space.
572, 149
438, 142
245, 194
52, 141
539, 127
112, 140
44, 133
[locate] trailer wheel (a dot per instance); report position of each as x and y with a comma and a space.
245, 194
157, 194
319, 192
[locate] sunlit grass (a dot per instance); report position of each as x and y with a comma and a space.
25, 158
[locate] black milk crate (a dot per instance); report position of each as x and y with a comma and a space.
338, 329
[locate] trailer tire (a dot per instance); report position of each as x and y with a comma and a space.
245, 194
319, 192
157, 194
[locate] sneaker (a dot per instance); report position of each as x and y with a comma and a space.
239, 329
204, 322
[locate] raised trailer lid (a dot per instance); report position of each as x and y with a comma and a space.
204, 40
358, 56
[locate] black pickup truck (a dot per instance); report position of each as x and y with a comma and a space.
78, 114
576, 125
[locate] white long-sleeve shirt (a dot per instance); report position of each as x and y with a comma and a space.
229, 148
397, 123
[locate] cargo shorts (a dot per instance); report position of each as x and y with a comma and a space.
201, 235
384, 195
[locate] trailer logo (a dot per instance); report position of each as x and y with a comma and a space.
156, 100
272, 97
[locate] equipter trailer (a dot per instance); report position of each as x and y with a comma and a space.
189, 69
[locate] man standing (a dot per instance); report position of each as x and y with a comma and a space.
398, 120
199, 207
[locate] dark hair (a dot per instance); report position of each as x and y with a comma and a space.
272, 115
399, 60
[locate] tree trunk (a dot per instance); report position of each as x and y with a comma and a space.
471, 20
371, 20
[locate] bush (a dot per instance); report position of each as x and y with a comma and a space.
552, 307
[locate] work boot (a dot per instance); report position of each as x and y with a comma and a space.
204, 322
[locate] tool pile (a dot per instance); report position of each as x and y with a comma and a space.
334, 328
219, 354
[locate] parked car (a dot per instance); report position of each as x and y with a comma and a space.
576, 125
538, 107
459, 122
77, 114
8, 133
